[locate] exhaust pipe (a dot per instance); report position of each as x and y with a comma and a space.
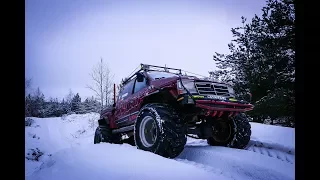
114, 95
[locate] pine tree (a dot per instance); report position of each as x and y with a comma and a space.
261, 60
38, 104
75, 103
63, 107
28, 105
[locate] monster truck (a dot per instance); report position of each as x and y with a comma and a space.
158, 107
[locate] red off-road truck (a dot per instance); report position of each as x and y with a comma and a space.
158, 107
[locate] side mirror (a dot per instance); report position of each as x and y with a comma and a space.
140, 77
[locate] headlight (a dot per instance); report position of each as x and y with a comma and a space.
231, 91
188, 84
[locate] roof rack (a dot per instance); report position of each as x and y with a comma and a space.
148, 67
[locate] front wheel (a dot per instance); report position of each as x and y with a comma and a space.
234, 133
160, 130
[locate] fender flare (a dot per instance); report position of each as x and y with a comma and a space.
103, 122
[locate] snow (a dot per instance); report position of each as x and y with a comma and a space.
116, 162
69, 153
274, 136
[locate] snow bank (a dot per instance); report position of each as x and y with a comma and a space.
116, 162
51, 135
62, 148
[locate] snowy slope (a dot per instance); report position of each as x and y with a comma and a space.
282, 138
66, 151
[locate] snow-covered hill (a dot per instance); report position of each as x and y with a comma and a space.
62, 148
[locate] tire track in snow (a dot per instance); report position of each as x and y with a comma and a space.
250, 148
231, 163
206, 168
269, 150
269, 154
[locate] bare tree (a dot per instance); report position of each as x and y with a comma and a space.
108, 85
69, 98
102, 83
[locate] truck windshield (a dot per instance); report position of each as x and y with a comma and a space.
160, 75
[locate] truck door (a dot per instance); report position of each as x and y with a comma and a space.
122, 112
138, 92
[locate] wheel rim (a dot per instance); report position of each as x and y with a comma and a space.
148, 131
221, 131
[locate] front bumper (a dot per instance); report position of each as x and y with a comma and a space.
216, 106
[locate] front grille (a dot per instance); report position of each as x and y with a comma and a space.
206, 88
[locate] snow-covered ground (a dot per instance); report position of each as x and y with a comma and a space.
62, 148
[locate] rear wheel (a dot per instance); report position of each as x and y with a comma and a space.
104, 134
160, 130
234, 133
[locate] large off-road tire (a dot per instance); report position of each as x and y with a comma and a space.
160, 130
104, 134
239, 135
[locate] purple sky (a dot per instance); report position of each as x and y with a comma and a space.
65, 39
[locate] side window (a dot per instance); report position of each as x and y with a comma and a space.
126, 90
140, 85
